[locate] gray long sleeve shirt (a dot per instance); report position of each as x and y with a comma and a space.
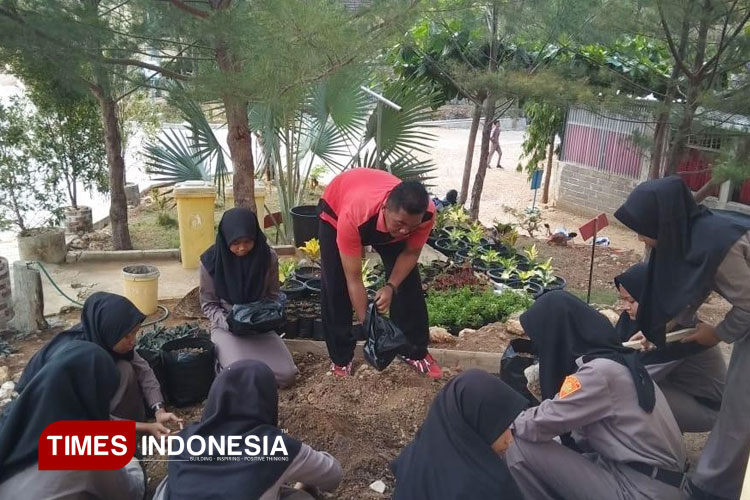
602, 406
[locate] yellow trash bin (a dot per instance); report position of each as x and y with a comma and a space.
260, 199
195, 217
141, 287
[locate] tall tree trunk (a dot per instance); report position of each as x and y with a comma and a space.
489, 113
548, 174
470, 153
118, 205
240, 148
662, 129
695, 83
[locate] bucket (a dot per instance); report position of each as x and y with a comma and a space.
304, 224
195, 217
141, 287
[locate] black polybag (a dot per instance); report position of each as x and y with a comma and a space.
188, 375
384, 339
257, 317
513, 364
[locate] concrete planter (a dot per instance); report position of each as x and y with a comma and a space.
44, 244
132, 194
78, 220
6, 305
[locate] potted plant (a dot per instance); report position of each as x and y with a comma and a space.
544, 274
487, 260
453, 243
530, 287
475, 235
25, 204
311, 250
69, 141
504, 271
291, 287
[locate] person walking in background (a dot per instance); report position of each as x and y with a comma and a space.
495, 144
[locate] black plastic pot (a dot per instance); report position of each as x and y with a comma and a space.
188, 375
306, 273
499, 248
534, 289
495, 274
304, 224
558, 284
291, 327
461, 256
318, 332
314, 286
447, 247
293, 289
306, 326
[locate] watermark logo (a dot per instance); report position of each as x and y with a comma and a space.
110, 445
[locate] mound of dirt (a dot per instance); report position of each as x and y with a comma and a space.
189, 307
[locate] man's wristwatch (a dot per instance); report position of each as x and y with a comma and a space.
157, 406
392, 287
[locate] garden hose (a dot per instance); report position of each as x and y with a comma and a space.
165, 311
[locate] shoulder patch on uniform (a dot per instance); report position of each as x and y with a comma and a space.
570, 385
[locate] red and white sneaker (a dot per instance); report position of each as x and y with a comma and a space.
426, 365
341, 371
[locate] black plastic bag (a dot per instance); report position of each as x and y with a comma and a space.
519, 355
384, 339
189, 369
256, 317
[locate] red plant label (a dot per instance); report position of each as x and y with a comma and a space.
593, 226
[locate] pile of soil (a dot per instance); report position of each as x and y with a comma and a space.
100, 240
490, 338
364, 420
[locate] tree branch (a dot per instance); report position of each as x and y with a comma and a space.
140, 64
190, 9
670, 42
723, 47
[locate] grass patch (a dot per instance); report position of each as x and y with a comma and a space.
602, 296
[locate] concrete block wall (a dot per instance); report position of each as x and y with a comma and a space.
589, 192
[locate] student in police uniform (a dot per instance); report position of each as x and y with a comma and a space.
598, 389
690, 375
695, 251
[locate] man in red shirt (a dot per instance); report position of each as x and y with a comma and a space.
372, 207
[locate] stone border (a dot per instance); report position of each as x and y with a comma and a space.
487, 361
155, 254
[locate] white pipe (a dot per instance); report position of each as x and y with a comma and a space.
381, 98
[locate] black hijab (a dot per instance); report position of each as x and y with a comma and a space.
243, 401
238, 280
77, 383
451, 457
564, 328
105, 319
634, 281
692, 242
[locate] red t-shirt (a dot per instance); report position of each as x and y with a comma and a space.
358, 195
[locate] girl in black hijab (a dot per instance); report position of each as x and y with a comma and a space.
598, 390
112, 322
696, 251
77, 382
241, 268
243, 401
457, 453
691, 376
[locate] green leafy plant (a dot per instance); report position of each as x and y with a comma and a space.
510, 239
475, 233
457, 216
510, 267
491, 257
532, 253
456, 235
369, 275
466, 308
545, 273
286, 270
154, 339
530, 220
316, 173
526, 276
164, 203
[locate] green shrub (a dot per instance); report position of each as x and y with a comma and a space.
467, 308
166, 220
